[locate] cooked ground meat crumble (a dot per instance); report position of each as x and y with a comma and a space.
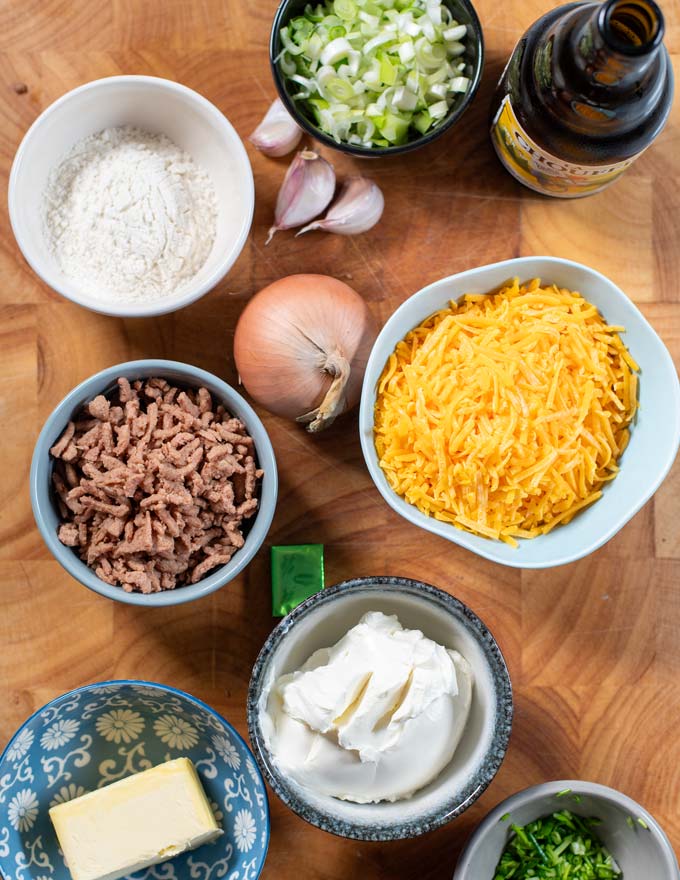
153, 485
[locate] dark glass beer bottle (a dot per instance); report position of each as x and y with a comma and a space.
586, 90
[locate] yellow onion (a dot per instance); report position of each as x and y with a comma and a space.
301, 347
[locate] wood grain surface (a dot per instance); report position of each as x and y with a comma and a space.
593, 647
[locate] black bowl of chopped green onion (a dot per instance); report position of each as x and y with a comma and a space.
568, 829
376, 77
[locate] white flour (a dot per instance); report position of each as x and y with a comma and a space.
129, 215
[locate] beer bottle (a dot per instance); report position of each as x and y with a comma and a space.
586, 90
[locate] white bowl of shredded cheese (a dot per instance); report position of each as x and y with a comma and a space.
643, 465
131, 196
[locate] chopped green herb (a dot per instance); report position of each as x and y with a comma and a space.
641, 822
505, 817
557, 847
563, 792
629, 822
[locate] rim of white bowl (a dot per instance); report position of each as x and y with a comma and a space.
375, 364
166, 304
578, 786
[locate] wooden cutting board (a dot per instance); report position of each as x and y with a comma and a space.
593, 647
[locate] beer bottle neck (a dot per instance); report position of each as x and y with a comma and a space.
617, 43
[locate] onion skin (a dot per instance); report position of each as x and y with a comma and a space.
294, 337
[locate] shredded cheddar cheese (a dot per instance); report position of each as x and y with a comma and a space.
506, 413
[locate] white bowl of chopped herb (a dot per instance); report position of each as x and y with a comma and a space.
569, 828
526, 421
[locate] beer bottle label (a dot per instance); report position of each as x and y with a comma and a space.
541, 171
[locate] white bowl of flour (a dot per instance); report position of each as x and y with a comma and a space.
131, 196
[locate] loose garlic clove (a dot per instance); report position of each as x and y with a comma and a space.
306, 191
358, 208
278, 133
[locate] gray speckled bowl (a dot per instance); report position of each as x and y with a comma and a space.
320, 622
630, 833
46, 513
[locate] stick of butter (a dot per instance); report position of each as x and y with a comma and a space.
135, 823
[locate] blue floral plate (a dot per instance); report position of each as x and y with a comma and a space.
100, 733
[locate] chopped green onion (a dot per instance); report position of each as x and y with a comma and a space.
314, 47
287, 64
379, 40
430, 55
339, 89
641, 822
413, 83
404, 99
562, 846
375, 72
345, 9
302, 26
438, 110
459, 84
388, 73
537, 846
336, 50
439, 76
393, 128
422, 122
406, 51
438, 91
312, 14
454, 34
453, 50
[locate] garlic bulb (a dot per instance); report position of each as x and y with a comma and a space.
306, 190
358, 207
278, 133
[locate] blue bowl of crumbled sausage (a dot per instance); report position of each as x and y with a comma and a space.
153, 483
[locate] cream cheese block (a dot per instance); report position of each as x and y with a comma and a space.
135, 823
375, 717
